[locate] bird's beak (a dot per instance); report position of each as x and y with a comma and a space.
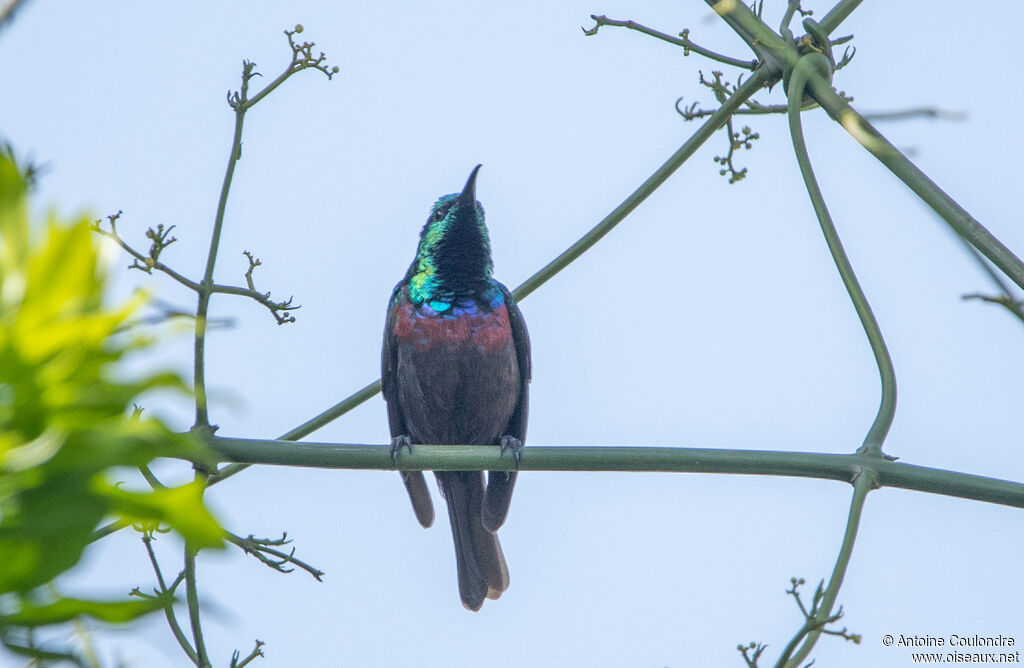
468, 194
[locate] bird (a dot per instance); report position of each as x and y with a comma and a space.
455, 369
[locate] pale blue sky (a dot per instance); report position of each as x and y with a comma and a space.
712, 317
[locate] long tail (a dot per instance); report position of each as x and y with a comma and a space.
481, 565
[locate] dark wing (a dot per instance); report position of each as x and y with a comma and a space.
389, 369
415, 484
521, 338
498, 495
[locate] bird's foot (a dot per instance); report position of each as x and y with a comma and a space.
514, 444
397, 443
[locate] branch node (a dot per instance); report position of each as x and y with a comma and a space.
815, 619
302, 55
744, 139
257, 651
751, 652
848, 54
280, 310
598, 22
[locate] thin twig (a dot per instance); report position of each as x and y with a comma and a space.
256, 652
263, 298
107, 529
275, 308
736, 142
142, 261
261, 547
172, 621
751, 658
752, 108
153, 481
1005, 296
683, 40
916, 112
1014, 306
302, 59
202, 659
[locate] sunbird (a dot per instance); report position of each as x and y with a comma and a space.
455, 370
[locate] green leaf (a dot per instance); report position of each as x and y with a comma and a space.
119, 441
43, 654
51, 525
181, 507
66, 609
13, 227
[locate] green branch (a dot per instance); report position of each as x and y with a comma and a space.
1005, 297
815, 624
206, 286
1014, 306
308, 427
837, 15
107, 529
264, 550
240, 102
683, 40
172, 621
791, 8
762, 40
915, 113
145, 262
256, 652
202, 659
635, 458
887, 406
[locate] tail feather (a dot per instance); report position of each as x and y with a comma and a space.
481, 565
497, 498
416, 486
489, 556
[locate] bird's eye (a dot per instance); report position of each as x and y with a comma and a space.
440, 214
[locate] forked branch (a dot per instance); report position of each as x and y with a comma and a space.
265, 550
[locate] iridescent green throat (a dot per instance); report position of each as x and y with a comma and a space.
453, 260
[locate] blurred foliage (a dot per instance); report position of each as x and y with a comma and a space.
65, 420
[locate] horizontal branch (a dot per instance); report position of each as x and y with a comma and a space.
653, 459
